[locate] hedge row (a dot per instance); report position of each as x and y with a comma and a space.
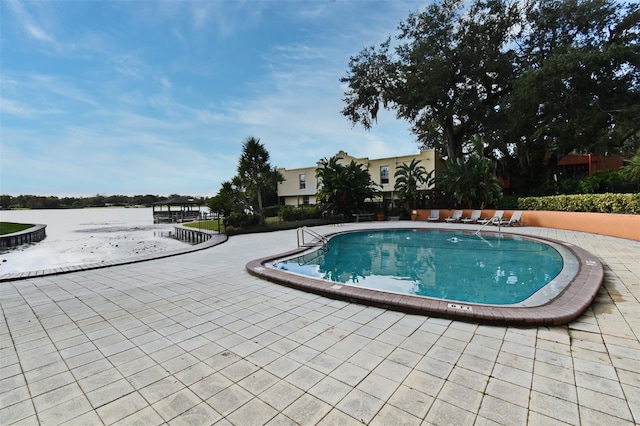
291, 213
242, 220
600, 203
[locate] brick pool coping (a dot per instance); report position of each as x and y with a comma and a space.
564, 308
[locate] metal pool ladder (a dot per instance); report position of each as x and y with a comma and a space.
491, 221
320, 240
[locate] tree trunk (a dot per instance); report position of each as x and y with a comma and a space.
454, 147
260, 210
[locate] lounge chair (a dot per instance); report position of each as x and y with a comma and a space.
496, 219
516, 219
434, 216
475, 215
455, 217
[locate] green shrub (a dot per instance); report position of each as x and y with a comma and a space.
242, 220
508, 202
600, 203
287, 213
271, 211
600, 181
291, 213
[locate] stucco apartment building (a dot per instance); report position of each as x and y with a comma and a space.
300, 186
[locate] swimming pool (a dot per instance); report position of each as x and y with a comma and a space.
564, 297
493, 270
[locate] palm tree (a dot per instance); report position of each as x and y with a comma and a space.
230, 198
409, 178
344, 189
631, 172
255, 172
471, 182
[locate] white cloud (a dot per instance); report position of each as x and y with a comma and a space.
136, 117
165, 84
38, 33
228, 17
295, 52
27, 22
20, 109
128, 65
206, 116
55, 85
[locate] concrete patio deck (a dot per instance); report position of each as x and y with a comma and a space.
195, 339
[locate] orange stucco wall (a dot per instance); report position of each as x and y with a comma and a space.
617, 225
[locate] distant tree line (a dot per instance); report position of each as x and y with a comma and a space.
53, 202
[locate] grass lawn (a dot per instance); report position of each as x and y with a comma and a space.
272, 224
9, 227
209, 225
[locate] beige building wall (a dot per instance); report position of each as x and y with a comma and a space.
291, 190
382, 172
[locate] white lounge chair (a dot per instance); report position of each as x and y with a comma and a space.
516, 219
496, 219
434, 216
475, 215
455, 217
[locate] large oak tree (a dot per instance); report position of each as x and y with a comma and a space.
578, 84
446, 76
536, 79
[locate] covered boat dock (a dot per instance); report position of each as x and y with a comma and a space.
176, 210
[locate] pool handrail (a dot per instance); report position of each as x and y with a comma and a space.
300, 236
494, 220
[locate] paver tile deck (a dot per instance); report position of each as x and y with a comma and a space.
195, 339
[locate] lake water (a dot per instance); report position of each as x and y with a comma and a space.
82, 236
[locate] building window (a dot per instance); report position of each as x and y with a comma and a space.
305, 200
384, 174
303, 181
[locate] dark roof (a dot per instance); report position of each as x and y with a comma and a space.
178, 201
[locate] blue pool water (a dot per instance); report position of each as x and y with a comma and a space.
497, 270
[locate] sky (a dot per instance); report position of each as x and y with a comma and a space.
157, 97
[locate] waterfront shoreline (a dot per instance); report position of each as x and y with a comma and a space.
78, 237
